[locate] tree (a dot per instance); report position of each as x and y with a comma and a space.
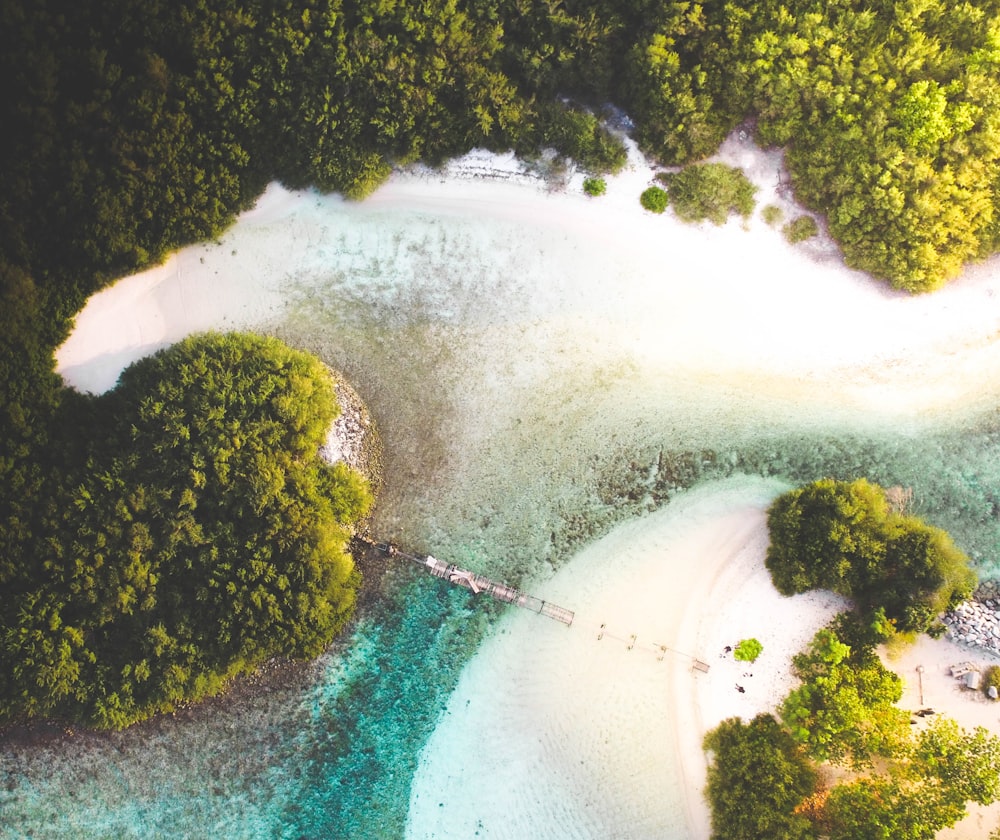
844, 711
757, 777
843, 536
927, 789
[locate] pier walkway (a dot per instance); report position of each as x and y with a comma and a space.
479, 584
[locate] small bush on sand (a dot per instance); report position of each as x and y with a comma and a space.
654, 200
594, 186
773, 215
748, 650
800, 229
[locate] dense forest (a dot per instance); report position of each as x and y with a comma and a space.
131, 128
187, 531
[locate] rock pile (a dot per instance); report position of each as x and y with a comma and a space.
353, 437
976, 622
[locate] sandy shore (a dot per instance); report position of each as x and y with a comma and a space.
599, 718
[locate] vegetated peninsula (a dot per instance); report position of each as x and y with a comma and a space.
897, 781
186, 531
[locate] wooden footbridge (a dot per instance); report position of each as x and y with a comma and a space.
477, 583
509, 595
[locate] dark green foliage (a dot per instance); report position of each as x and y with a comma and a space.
594, 186
711, 191
194, 534
800, 229
842, 536
890, 113
757, 777
654, 199
579, 135
131, 128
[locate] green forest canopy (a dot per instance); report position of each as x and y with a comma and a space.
906, 783
187, 531
843, 536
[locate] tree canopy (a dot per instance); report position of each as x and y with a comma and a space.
190, 532
132, 127
757, 777
843, 536
844, 710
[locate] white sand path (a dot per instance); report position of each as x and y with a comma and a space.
706, 303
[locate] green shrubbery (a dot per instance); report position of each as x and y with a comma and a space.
800, 229
844, 537
654, 199
748, 650
189, 533
711, 191
772, 215
594, 186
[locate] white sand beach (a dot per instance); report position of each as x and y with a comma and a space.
590, 719
506, 296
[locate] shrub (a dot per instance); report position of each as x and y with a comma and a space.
748, 650
654, 200
594, 186
711, 191
773, 215
800, 229
991, 677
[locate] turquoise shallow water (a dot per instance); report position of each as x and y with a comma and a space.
333, 755
518, 427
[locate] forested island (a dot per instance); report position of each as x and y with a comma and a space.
132, 128
188, 531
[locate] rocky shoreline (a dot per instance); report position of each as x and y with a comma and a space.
976, 622
353, 437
